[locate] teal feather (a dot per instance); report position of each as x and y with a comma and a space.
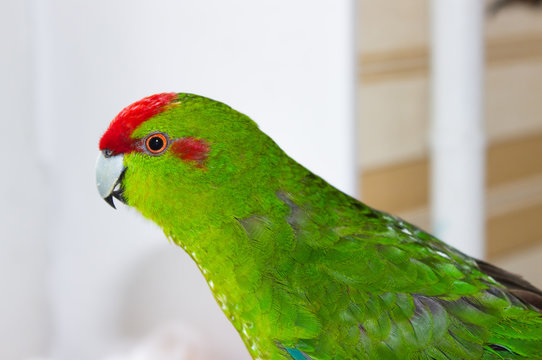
297, 354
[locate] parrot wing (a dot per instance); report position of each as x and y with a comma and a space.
518, 286
396, 292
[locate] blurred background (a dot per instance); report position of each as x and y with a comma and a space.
394, 121
368, 94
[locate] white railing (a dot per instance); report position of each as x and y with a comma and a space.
457, 137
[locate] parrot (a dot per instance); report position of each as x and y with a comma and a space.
302, 270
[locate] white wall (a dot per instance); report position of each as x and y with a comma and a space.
24, 319
85, 280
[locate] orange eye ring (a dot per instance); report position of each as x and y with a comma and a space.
156, 143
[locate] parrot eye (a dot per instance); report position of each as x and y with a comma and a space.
156, 143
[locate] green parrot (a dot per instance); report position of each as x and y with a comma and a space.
302, 270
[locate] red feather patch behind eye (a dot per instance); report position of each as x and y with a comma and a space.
191, 149
117, 137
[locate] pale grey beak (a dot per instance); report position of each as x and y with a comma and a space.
109, 173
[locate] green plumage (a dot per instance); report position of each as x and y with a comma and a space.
304, 271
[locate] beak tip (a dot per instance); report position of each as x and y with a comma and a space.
109, 174
109, 200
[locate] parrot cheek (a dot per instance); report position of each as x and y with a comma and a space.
109, 175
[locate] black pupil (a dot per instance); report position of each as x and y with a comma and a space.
156, 143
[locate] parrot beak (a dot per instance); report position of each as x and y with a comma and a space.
109, 173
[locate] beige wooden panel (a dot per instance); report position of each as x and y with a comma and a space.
514, 21
392, 24
513, 231
397, 64
393, 122
514, 99
405, 185
513, 160
394, 68
397, 188
526, 262
398, 24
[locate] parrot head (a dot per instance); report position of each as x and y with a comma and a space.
175, 153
